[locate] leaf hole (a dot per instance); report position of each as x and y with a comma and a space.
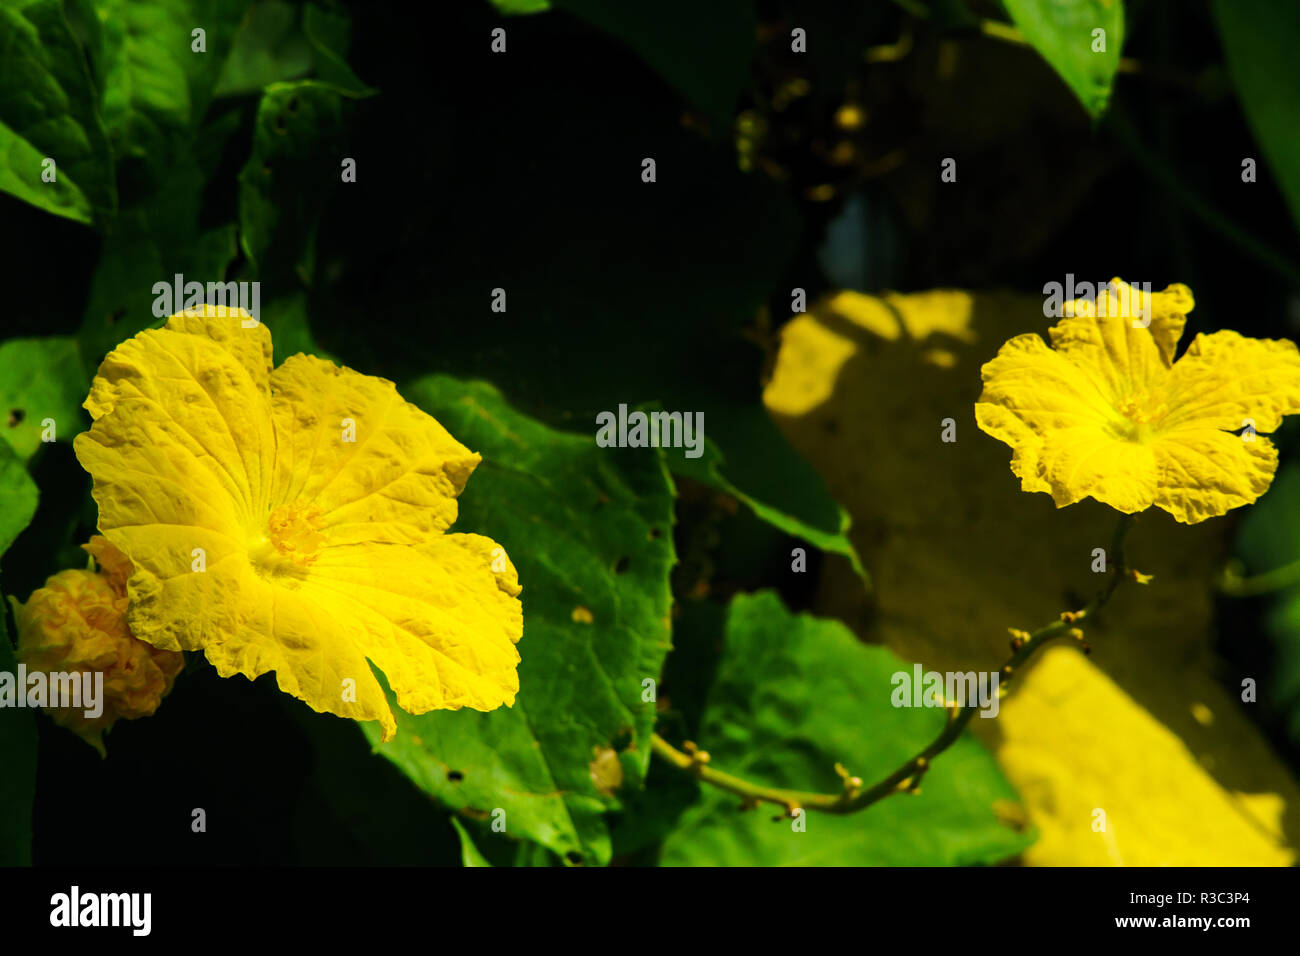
16, 416
621, 564
574, 857
455, 776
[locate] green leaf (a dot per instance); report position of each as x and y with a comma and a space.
1063, 31
40, 379
794, 695
708, 469
702, 50
283, 187
590, 531
1259, 38
18, 498
521, 7
48, 110
469, 854
157, 88
269, 48
329, 35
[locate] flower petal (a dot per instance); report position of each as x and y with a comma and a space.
182, 425
1205, 472
1227, 381
1084, 462
437, 621
1101, 336
375, 467
1031, 392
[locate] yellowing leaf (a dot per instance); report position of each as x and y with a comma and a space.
1074, 743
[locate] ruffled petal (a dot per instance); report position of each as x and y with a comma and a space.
1228, 381
1101, 336
1078, 463
181, 424
1032, 392
1205, 472
371, 465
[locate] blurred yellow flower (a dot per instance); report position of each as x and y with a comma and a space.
1105, 411
293, 520
76, 624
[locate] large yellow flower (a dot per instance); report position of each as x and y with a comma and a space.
1106, 412
293, 520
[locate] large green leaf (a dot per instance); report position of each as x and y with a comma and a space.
1257, 38
1063, 31
48, 109
18, 498
590, 531
157, 87
40, 380
794, 695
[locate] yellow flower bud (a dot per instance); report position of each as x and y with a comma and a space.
76, 624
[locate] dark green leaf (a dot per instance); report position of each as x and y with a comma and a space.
269, 48
590, 531
1259, 38
702, 50
294, 165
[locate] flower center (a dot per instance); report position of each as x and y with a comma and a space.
289, 545
1143, 411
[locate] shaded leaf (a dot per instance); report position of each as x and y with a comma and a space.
1259, 41
295, 162
703, 51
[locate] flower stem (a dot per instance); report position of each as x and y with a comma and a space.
907, 776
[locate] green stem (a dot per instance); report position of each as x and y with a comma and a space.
1234, 584
855, 797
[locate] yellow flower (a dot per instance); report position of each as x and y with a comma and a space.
76, 624
1105, 411
293, 520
